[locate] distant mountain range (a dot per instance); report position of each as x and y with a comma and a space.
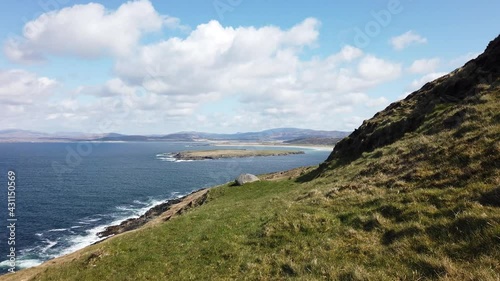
287, 135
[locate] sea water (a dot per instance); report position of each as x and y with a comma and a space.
67, 192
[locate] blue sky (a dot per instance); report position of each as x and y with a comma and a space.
225, 65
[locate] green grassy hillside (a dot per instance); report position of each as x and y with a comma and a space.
413, 194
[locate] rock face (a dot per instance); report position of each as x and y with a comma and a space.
408, 115
246, 178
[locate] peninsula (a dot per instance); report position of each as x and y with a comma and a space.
230, 153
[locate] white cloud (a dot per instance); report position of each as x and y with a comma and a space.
347, 53
418, 83
174, 23
352, 122
424, 65
406, 39
19, 87
373, 68
23, 98
378, 102
113, 87
216, 59
257, 76
262, 68
87, 31
461, 60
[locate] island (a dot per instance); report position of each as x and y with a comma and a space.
230, 153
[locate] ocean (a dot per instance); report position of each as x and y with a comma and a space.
65, 193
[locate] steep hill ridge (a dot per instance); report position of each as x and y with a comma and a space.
408, 115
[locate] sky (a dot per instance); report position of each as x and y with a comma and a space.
157, 67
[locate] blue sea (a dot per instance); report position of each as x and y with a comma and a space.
68, 192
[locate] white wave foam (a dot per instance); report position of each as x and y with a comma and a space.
22, 263
28, 263
53, 249
125, 208
166, 157
81, 241
89, 220
58, 229
151, 204
169, 157
50, 244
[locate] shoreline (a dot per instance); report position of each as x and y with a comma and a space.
282, 145
214, 154
159, 213
170, 208
180, 204
156, 214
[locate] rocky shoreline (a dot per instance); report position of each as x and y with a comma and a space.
164, 211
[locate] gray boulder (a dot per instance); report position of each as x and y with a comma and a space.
246, 178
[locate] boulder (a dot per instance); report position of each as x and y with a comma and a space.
246, 178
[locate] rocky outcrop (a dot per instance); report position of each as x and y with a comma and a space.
178, 206
246, 178
408, 115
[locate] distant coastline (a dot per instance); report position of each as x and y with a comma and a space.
279, 135
230, 153
273, 144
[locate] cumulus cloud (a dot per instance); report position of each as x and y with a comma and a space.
215, 60
226, 60
406, 39
23, 97
113, 87
418, 83
373, 68
87, 31
261, 67
20, 87
424, 65
257, 76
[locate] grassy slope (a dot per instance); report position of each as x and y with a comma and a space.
408, 210
422, 205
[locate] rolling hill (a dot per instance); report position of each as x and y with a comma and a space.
271, 135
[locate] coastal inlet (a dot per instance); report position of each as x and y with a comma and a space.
223, 153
